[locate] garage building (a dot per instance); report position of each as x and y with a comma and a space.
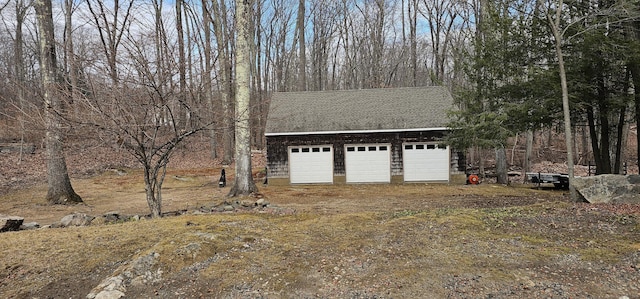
390, 135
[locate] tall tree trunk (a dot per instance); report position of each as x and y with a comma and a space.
620, 140
501, 165
70, 54
302, 68
622, 127
208, 91
584, 142
605, 128
633, 34
481, 168
637, 110
557, 34
378, 44
259, 107
348, 79
413, 28
244, 184
635, 74
182, 64
595, 146
219, 27
59, 185
21, 11
528, 151
160, 118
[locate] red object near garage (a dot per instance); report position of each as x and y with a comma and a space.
473, 179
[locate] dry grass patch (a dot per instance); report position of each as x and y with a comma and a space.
383, 253
343, 241
119, 190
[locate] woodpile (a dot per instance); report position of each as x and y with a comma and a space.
16, 147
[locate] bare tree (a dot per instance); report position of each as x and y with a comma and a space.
206, 76
276, 52
59, 190
21, 11
182, 63
441, 17
69, 54
220, 29
244, 183
375, 20
259, 104
111, 26
324, 28
132, 119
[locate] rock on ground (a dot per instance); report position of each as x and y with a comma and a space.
77, 219
138, 272
29, 225
609, 188
10, 223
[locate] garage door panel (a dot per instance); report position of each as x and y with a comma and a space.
368, 163
313, 164
425, 162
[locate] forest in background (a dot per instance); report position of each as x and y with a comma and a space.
143, 71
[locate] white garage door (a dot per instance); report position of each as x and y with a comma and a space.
425, 162
368, 163
311, 164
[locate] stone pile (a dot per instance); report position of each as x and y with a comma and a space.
251, 204
15, 223
244, 204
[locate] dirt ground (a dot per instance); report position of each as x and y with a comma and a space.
353, 241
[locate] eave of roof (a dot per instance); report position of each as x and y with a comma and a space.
356, 131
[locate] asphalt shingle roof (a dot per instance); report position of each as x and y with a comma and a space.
359, 110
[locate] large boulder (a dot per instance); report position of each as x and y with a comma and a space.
10, 223
609, 188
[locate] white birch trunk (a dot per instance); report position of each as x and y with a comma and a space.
244, 184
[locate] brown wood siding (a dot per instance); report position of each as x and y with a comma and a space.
277, 146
